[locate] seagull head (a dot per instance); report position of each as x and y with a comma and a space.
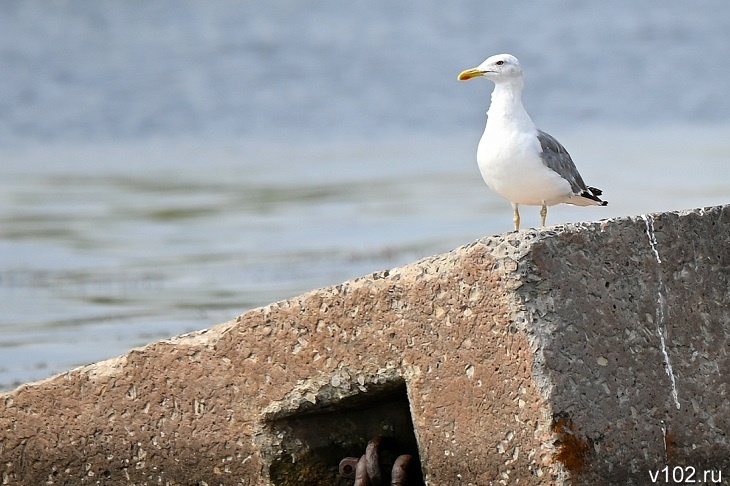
499, 68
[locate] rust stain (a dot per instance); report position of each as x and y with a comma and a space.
671, 446
573, 451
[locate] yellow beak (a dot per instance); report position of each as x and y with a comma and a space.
470, 73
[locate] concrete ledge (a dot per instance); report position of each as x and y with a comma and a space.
583, 354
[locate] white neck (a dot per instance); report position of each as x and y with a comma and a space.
506, 109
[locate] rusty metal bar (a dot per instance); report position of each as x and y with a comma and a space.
348, 466
372, 461
399, 474
361, 474
366, 471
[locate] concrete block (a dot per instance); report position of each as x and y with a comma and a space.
594, 353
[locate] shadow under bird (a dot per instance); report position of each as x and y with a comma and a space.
517, 160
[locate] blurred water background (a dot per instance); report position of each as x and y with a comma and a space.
165, 166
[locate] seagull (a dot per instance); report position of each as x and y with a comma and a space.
517, 160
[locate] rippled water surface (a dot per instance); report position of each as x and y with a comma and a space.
166, 166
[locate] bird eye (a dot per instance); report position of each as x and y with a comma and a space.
499, 63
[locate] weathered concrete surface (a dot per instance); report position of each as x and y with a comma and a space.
582, 354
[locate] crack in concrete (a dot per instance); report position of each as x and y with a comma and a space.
660, 304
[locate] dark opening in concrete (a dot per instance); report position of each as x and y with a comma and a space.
307, 446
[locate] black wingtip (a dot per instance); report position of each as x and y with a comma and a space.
592, 193
593, 196
595, 191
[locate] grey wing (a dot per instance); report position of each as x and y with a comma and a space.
557, 158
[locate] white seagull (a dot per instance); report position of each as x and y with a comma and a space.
519, 162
